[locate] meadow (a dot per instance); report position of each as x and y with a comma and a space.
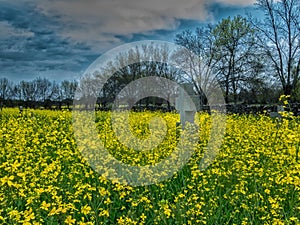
255, 179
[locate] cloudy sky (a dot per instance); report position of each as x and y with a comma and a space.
59, 39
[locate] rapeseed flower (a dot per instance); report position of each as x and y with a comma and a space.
46, 180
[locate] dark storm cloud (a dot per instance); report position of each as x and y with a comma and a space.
29, 43
60, 38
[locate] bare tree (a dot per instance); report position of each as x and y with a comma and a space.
42, 88
6, 87
68, 89
17, 92
143, 61
279, 36
197, 59
28, 90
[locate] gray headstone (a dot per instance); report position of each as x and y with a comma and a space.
277, 114
185, 104
280, 108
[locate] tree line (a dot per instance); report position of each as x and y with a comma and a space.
39, 92
254, 60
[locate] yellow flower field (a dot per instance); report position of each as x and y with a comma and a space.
44, 179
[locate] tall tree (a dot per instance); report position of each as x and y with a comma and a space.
197, 58
17, 92
42, 88
279, 36
235, 54
68, 89
6, 87
28, 90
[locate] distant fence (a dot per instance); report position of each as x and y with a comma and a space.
255, 109
230, 108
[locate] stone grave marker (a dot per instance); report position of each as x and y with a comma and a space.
277, 113
185, 104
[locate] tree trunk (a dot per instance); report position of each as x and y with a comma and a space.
287, 89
